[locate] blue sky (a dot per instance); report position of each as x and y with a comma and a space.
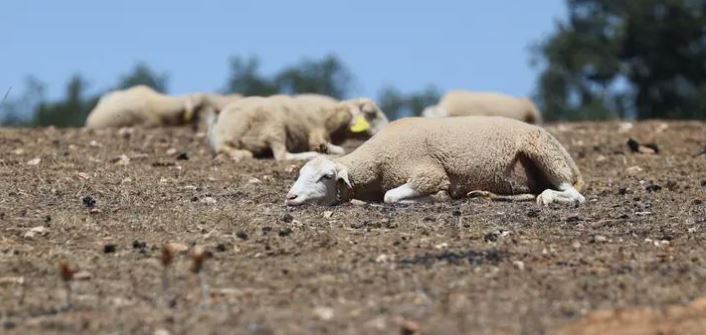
480, 45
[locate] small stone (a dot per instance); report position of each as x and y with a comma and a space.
7, 324
356, 202
208, 200
171, 151
182, 156
576, 244
83, 175
286, 231
18, 151
653, 188
633, 170
121, 160
34, 161
126, 180
600, 238
161, 331
94, 144
441, 246
490, 237
88, 201
254, 181
83, 275
242, 235
323, 313
137, 244
287, 218
95, 211
327, 214
382, 258
520, 265
9, 281
36, 231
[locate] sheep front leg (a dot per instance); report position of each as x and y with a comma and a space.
407, 194
429, 183
335, 149
236, 155
279, 151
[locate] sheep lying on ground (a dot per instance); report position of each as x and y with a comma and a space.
143, 106
465, 103
287, 127
418, 159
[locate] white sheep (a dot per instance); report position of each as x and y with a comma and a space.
466, 103
143, 106
287, 127
420, 159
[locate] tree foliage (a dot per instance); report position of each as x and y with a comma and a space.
328, 75
396, 104
143, 75
626, 58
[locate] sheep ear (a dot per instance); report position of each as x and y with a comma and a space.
342, 174
339, 118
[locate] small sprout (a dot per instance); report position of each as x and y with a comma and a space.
167, 255
167, 258
66, 273
198, 258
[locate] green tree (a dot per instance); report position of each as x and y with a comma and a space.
625, 58
142, 74
245, 78
19, 111
396, 104
327, 76
70, 112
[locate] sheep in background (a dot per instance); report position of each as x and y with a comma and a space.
142, 106
418, 159
466, 103
287, 127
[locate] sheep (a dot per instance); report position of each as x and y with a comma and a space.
466, 103
420, 159
141, 105
287, 127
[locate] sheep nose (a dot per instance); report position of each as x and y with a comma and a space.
291, 196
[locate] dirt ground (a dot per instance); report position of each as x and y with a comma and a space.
634, 251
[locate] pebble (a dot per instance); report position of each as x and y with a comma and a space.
208, 200
324, 313
36, 231
34, 161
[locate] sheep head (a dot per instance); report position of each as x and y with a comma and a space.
367, 116
319, 182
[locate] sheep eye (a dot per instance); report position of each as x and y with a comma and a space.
326, 176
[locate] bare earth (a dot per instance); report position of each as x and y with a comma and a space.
632, 260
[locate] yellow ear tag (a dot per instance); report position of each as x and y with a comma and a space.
187, 116
360, 125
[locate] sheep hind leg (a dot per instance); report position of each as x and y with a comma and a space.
559, 169
567, 194
495, 197
279, 151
